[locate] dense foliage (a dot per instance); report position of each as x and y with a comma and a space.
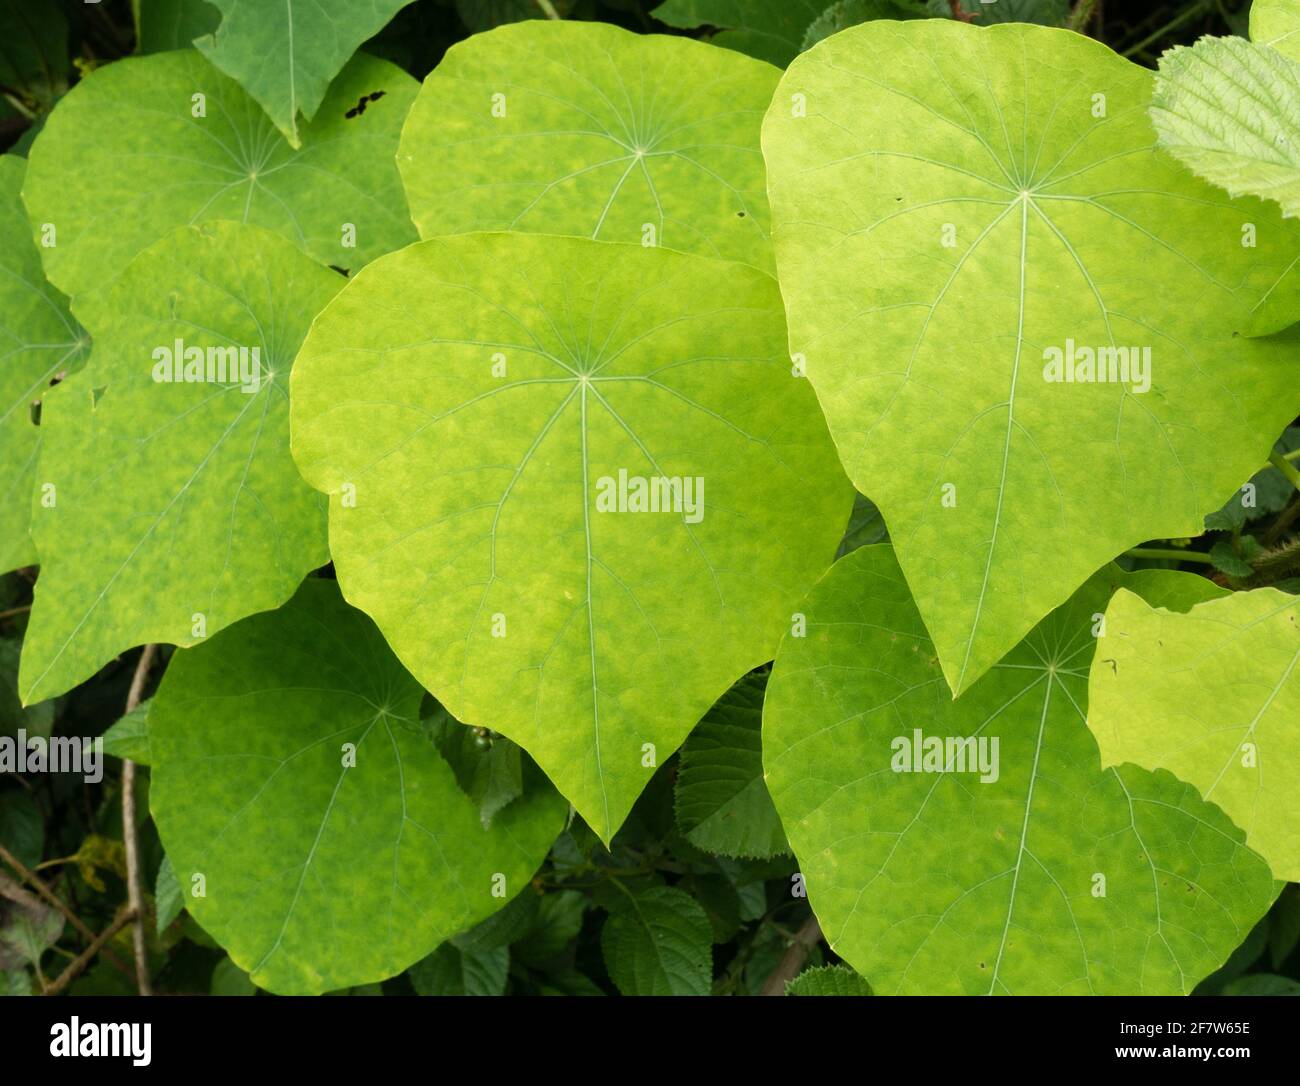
575, 497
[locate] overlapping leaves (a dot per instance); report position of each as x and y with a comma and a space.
479, 409
951, 206
1014, 864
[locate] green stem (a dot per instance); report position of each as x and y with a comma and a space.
548, 9
1169, 554
1286, 468
1191, 13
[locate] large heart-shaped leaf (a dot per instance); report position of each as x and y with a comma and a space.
586, 129
1276, 23
285, 54
168, 505
1230, 111
151, 143
956, 208
489, 414
1212, 695
292, 785
39, 340
977, 846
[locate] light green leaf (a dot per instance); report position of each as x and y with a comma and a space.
39, 341
1002, 489
771, 30
1214, 697
161, 25
123, 160
605, 134
1230, 112
285, 55
34, 61
462, 969
167, 899
722, 802
186, 488
1024, 869
828, 980
1276, 23
335, 846
658, 941
469, 404
129, 736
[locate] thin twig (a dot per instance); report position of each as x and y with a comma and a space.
961, 15
792, 960
16, 611
548, 9
135, 900
38, 884
124, 917
1082, 15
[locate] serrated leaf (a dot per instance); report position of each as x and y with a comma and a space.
846, 13
162, 25
1228, 561
1276, 23
129, 736
286, 55
1002, 488
722, 802
209, 520
1230, 111
1214, 697
167, 897
1023, 869
39, 341
290, 773
588, 130
457, 969
828, 980
469, 404
123, 161
658, 942
558, 921
771, 30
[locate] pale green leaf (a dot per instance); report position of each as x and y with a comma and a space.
162, 25
175, 507
988, 878
286, 54
1276, 23
334, 844
469, 404
948, 212
1214, 697
722, 802
658, 941
828, 980
1230, 112
771, 30
462, 968
123, 160
605, 134
39, 342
